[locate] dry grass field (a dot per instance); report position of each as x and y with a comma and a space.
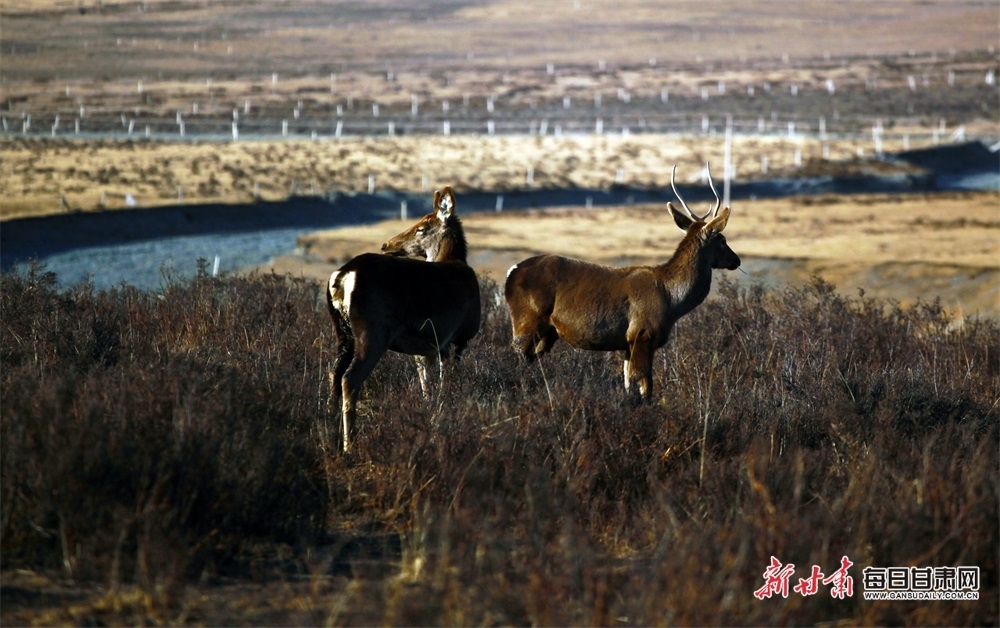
168, 458
46, 177
125, 40
117, 69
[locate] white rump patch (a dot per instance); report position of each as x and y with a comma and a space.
510, 270
332, 285
349, 280
342, 301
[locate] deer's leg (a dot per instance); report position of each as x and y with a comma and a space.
533, 335
639, 364
344, 355
646, 380
628, 364
368, 350
536, 343
428, 367
524, 345
524, 340
545, 340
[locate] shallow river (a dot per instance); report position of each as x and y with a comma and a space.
144, 247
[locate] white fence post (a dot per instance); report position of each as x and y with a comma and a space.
727, 161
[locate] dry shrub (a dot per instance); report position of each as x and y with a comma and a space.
147, 434
192, 423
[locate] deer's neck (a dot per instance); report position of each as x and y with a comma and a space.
453, 246
687, 276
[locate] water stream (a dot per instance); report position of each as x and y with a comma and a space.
142, 247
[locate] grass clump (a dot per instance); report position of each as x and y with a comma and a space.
145, 434
178, 443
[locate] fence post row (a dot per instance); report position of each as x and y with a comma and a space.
651, 112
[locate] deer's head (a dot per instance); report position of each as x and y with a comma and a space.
434, 232
707, 228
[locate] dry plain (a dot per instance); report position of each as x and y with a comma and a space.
831, 72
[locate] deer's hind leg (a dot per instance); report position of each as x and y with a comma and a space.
639, 364
535, 340
369, 347
342, 359
535, 343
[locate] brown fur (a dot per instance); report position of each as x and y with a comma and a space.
422, 308
631, 309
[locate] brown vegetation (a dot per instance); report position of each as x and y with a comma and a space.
166, 459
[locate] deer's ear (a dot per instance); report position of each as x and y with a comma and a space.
681, 219
444, 203
719, 223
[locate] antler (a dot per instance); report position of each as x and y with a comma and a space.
711, 184
694, 216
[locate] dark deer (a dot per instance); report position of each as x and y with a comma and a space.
631, 309
390, 302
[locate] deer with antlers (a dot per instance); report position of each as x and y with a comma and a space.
630, 309
390, 302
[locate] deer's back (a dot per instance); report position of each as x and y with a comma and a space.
411, 298
590, 305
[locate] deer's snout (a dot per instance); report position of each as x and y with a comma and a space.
731, 261
728, 259
393, 248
